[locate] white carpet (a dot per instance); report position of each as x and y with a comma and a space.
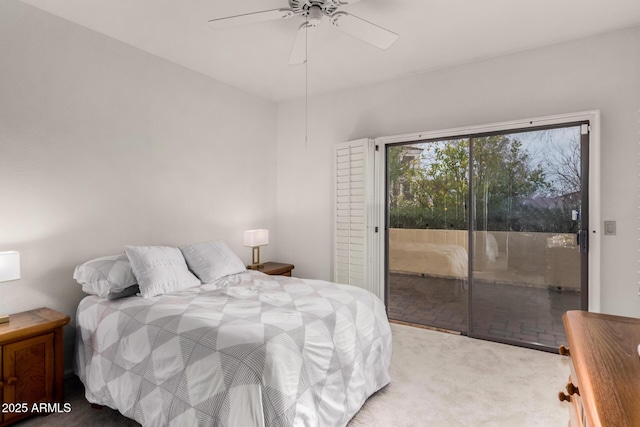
440, 379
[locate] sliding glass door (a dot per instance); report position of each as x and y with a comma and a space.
527, 192
428, 233
482, 233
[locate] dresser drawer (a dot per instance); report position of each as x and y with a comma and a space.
576, 413
604, 369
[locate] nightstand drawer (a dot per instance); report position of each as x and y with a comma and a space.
31, 361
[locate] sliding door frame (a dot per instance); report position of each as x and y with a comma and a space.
595, 226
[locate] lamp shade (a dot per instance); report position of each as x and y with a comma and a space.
9, 266
255, 238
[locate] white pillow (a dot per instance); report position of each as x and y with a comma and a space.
212, 260
159, 270
105, 275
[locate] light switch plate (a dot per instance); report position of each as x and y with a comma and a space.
609, 228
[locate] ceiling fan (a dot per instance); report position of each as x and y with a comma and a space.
314, 11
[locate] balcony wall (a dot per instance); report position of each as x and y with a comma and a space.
529, 259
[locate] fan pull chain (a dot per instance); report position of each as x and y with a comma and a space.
306, 81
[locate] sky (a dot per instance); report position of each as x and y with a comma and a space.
550, 148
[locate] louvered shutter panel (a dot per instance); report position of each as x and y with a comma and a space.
354, 214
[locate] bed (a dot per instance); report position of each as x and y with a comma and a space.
245, 350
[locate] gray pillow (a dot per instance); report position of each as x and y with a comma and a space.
160, 269
105, 275
212, 260
130, 291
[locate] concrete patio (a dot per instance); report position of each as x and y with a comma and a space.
527, 314
523, 282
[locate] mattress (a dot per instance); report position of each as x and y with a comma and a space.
246, 350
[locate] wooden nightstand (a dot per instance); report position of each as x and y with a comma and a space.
31, 362
276, 269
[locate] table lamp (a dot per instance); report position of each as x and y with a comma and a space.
9, 270
254, 239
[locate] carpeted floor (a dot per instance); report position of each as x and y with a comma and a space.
438, 379
445, 380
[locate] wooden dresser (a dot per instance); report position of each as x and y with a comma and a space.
31, 363
604, 386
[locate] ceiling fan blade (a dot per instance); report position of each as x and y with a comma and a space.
342, 3
250, 18
304, 37
363, 30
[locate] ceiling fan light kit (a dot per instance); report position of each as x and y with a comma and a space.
313, 11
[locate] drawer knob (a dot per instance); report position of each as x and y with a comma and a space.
12, 381
571, 389
564, 351
564, 397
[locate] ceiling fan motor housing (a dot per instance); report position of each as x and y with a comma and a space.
315, 8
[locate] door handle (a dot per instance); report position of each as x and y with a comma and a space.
582, 239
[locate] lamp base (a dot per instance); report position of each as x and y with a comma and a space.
4, 318
255, 266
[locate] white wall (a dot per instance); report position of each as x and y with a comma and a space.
596, 73
103, 145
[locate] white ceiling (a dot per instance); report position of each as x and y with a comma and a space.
433, 34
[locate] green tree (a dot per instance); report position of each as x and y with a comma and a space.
504, 176
438, 189
444, 183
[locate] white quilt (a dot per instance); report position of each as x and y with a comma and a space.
247, 350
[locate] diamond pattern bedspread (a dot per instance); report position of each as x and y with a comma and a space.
247, 350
